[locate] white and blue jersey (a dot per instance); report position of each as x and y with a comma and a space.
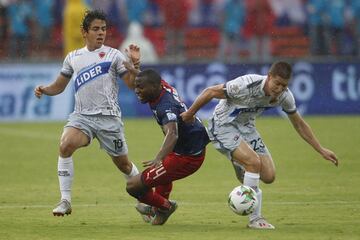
233, 120
94, 75
246, 100
167, 108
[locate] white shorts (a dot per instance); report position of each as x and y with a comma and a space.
108, 130
228, 137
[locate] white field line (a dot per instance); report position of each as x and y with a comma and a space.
10, 206
28, 134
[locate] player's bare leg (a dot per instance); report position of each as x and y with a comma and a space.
251, 161
71, 139
267, 173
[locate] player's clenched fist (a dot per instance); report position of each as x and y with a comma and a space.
38, 91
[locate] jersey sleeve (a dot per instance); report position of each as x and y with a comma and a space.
288, 103
120, 59
236, 88
166, 114
67, 70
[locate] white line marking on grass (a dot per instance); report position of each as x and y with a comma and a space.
182, 203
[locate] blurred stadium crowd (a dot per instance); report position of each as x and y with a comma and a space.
186, 30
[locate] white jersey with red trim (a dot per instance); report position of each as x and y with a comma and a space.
94, 75
246, 100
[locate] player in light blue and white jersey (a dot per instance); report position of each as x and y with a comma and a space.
232, 126
93, 70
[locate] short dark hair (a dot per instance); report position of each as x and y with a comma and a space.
281, 69
151, 76
91, 16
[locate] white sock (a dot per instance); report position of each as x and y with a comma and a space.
257, 211
134, 171
252, 180
66, 175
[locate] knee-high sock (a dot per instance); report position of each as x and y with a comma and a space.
252, 180
257, 211
154, 199
134, 171
164, 190
65, 175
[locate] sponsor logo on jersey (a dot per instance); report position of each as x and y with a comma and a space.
248, 110
91, 74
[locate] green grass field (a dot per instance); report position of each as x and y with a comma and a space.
310, 199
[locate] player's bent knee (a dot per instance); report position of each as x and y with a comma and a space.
132, 191
135, 191
67, 149
135, 188
268, 179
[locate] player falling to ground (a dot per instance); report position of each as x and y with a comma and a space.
181, 154
232, 127
94, 70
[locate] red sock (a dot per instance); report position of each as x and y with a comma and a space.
164, 190
154, 199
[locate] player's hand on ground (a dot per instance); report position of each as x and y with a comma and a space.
330, 156
187, 117
38, 91
133, 52
152, 163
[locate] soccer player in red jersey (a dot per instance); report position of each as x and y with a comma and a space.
181, 154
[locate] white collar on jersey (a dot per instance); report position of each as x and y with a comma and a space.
96, 50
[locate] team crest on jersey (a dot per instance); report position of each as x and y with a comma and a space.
171, 116
101, 54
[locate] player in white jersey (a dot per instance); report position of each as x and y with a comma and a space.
93, 70
232, 126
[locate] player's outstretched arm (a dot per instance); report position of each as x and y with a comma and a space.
206, 96
54, 88
131, 68
304, 130
171, 136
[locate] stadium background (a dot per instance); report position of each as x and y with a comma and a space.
36, 35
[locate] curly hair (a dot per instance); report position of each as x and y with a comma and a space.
91, 16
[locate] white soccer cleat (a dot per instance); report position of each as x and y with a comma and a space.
63, 207
260, 223
147, 212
